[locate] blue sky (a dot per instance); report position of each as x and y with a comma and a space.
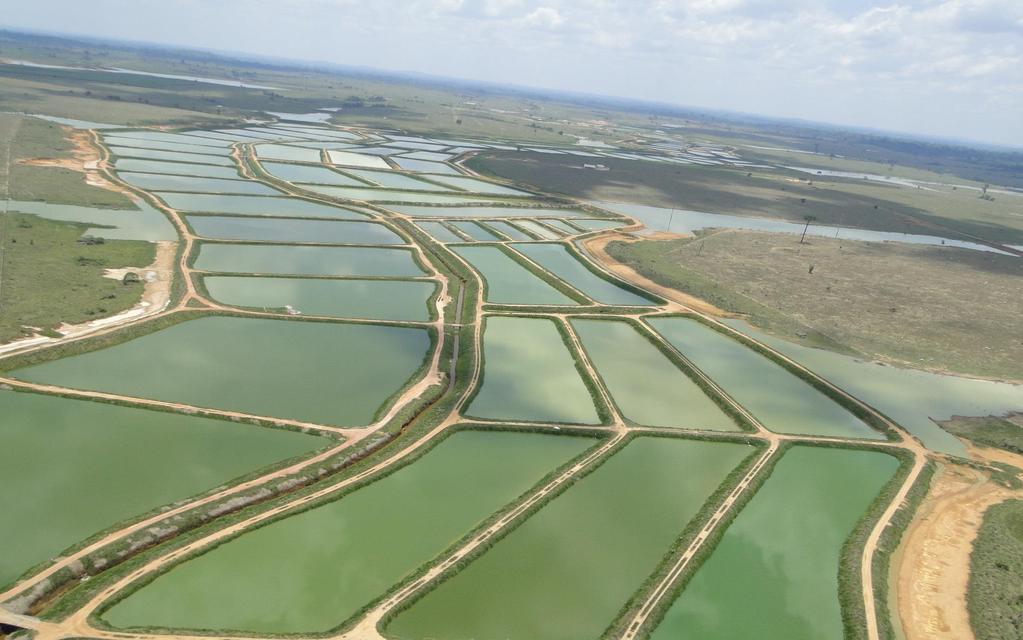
951, 68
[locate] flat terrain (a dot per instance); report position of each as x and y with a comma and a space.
934, 308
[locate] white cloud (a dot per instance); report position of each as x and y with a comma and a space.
544, 18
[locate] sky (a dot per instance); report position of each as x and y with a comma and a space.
948, 68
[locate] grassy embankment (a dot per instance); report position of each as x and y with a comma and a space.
46, 276
936, 308
995, 593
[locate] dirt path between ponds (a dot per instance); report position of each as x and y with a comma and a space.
597, 249
934, 558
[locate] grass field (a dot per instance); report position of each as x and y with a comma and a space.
995, 593
1001, 433
773, 194
47, 277
937, 308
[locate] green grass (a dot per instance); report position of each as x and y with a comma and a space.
47, 278
1000, 433
995, 592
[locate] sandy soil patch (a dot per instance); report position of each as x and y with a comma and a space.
934, 560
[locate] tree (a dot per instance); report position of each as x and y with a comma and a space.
808, 219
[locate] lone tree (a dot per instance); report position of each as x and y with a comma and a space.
809, 219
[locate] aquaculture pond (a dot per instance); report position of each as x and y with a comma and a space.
144, 223
330, 373
479, 186
440, 232
911, 398
786, 545
310, 174
312, 571
291, 230
511, 231
394, 180
176, 168
284, 152
309, 261
170, 156
529, 374
159, 182
568, 570
371, 299
538, 230
599, 225
177, 147
557, 259
509, 282
779, 399
475, 231
349, 158
188, 140
60, 483
255, 205
648, 388
480, 212
370, 194
426, 166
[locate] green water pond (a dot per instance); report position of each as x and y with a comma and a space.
529, 374
567, 571
774, 575
368, 299
312, 571
330, 373
71, 468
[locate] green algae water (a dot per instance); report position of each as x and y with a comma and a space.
329, 373
171, 182
567, 571
287, 230
321, 261
71, 468
648, 388
557, 259
780, 400
254, 205
509, 282
774, 575
312, 571
529, 374
368, 299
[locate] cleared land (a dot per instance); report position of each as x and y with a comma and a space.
944, 309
